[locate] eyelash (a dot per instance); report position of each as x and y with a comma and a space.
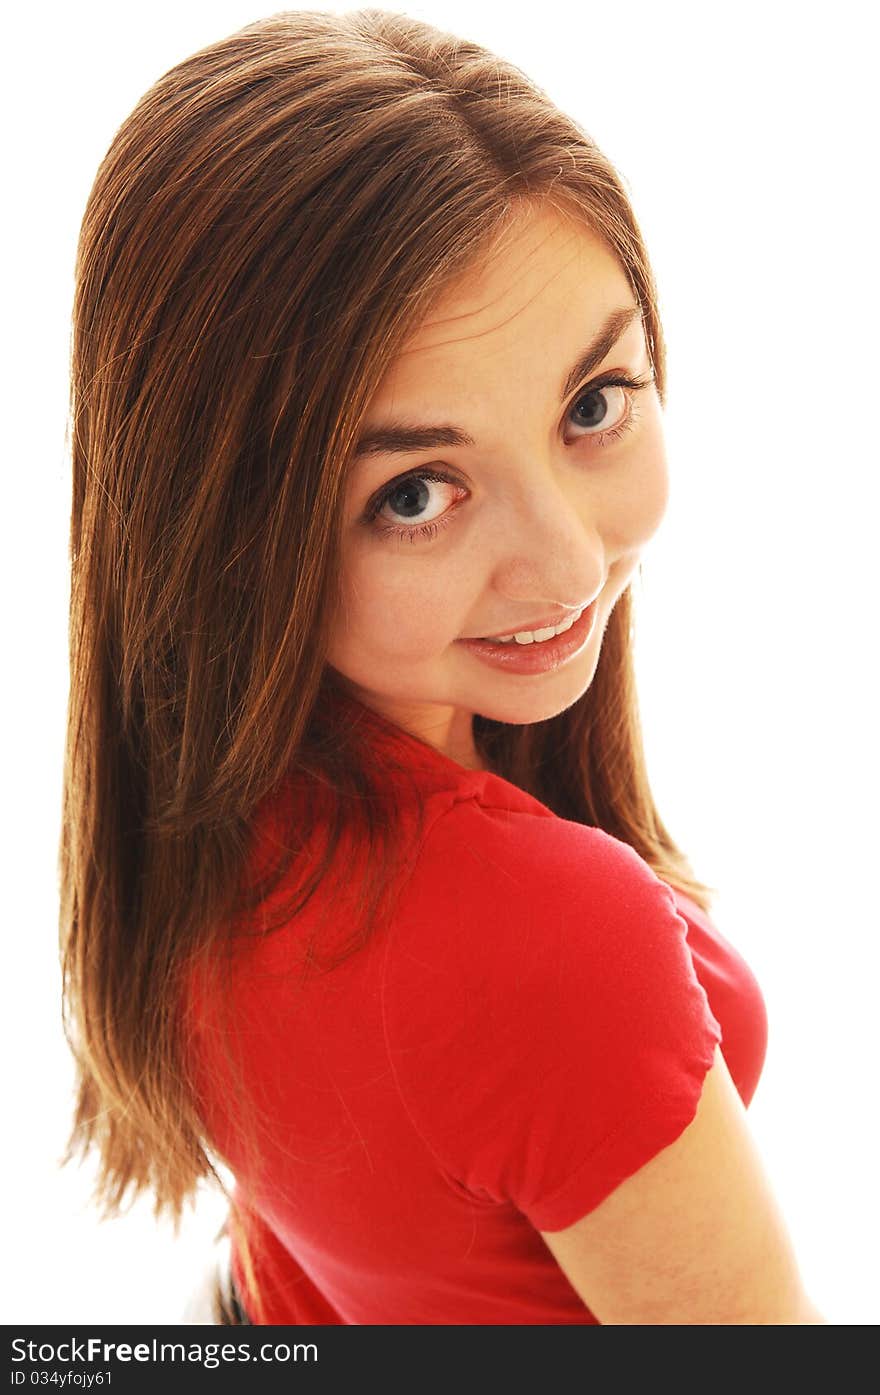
430, 530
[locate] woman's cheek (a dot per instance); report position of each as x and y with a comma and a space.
656, 488
640, 497
656, 485
397, 609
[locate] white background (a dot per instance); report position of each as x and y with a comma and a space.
746, 137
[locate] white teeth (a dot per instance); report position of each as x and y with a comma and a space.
536, 636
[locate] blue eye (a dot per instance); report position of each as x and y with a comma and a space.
607, 406
409, 497
592, 408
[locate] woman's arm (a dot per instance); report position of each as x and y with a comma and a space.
694, 1237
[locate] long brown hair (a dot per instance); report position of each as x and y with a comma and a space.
269, 224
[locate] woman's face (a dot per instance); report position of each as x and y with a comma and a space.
545, 511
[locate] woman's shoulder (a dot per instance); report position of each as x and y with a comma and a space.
497, 836
502, 888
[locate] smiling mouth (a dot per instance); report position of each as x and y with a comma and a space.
538, 634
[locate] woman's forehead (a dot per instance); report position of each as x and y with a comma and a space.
548, 283
545, 262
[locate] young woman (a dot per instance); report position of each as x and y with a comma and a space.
365, 895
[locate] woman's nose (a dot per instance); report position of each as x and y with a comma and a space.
552, 552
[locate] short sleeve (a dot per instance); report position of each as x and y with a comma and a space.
544, 1022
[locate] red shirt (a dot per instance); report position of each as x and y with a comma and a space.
533, 1026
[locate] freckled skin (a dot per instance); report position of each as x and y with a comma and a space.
549, 519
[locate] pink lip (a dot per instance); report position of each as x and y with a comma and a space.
537, 657
549, 624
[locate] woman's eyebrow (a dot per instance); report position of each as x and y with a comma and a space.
397, 438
